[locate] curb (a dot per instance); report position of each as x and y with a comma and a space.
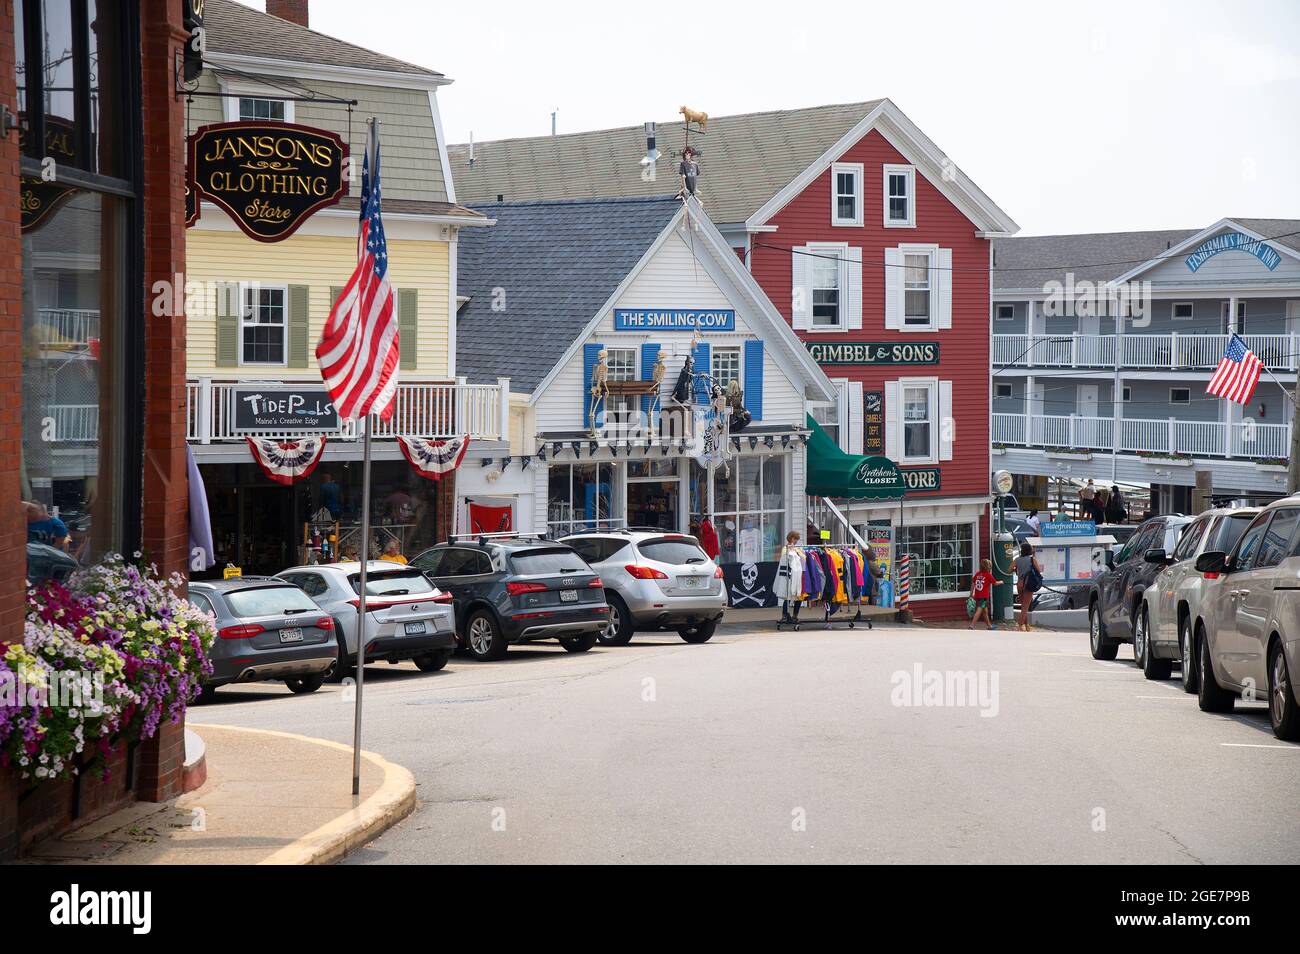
389, 804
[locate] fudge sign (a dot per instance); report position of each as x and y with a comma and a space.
269, 176
284, 410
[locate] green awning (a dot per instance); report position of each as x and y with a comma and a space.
833, 473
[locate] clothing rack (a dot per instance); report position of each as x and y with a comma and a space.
831, 608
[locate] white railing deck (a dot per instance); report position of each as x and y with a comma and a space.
1205, 439
424, 409
1173, 351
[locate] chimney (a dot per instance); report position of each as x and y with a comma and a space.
294, 11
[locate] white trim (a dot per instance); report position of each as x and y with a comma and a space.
842, 277
915, 146
363, 76
857, 170
910, 172
932, 277
932, 384
997, 311
448, 185
1173, 310
1172, 254
244, 287
453, 251
237, 87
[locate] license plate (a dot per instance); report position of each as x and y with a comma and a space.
414, 629
690, 582
291, 635
568, 596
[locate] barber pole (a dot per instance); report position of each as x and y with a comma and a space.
904, 583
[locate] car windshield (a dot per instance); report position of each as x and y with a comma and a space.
399, 583
1229, 531
674, 551
539, 562
270, 601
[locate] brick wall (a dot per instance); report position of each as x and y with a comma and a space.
13, 529
295, 10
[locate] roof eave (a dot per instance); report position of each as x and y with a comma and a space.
328, 71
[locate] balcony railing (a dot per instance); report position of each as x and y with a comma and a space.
1167, 352
424, 409
62, 328
1170, 436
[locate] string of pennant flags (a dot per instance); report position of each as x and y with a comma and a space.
576, 448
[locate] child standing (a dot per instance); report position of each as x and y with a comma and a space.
981, 591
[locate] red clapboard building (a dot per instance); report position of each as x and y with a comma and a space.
876, 248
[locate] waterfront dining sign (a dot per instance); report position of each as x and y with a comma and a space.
269, 176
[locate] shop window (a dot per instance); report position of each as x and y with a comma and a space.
726, 366
623, 408
252, 109
846, 195
829, 416
579, 497
826, 297
918, 422
262, 325
900, 184
917, 293
941, 557
749, 508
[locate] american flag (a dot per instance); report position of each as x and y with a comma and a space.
1237, 374
358, 350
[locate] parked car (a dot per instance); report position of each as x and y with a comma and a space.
1164, 624
1116, 593
267, 629
516, 590
1247, 633
407, 617
654, 580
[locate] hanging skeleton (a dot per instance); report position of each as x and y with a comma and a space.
657, 376
685, 385
599, 389
716, 431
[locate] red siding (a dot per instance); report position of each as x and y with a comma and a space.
963, 350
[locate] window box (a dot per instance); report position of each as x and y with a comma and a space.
1165, 458
1068, 453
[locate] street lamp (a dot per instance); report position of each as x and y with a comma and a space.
1002, 541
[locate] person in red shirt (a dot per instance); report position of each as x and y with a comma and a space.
981, 591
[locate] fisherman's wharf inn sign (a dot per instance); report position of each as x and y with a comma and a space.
269, 176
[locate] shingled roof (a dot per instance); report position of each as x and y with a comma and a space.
557, 264
242, 31
745, 160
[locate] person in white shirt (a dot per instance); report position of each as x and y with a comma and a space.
1034, 523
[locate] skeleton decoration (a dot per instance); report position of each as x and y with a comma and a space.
715, 430
685, 382
740, 417
657, 376
599, 388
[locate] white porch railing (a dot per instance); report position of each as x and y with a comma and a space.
67, 327
1240, 439
75, 422
424, 409
1173, 351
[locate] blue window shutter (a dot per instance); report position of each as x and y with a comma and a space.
754, 378
649, 355
590, 354
702, 366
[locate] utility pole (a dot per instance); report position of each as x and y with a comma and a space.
1293, 465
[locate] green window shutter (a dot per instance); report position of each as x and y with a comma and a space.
408, 325
334, 294
228, 307
299, 325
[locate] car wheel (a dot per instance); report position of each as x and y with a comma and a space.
432, 662
1283, 711
1138, 626
580, 644
305, 684
1152, 667
1210, 696
619, 631
1102, 648
343, 668
698, 634
486, 642
1187, 655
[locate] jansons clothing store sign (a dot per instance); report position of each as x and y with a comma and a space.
270, 177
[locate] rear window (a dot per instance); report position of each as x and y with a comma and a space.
541, 562
401, 583
270, 601
1229, 531
676, 552
597, 549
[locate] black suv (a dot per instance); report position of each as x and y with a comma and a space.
516, 590
1116, 594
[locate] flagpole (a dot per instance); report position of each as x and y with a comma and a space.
1293, 465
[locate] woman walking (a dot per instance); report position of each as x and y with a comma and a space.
1029, 579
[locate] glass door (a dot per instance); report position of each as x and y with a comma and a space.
653, 494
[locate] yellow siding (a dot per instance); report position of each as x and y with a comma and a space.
322, 262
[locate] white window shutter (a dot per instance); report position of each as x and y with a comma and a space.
842, 412
894, 288
855, 417
944, 285
851, 279
893, 420
946, 427
801, 287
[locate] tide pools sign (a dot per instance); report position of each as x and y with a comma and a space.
270, 177
1234, 242
674, 319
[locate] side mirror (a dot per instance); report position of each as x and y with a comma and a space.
1157, 555
1212, 562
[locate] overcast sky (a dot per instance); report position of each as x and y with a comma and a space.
1072, 117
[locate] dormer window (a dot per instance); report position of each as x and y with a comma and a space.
846, 193
900, 197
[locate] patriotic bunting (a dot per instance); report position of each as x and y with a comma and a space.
286, 461
434, 460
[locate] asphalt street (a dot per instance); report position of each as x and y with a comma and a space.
809, 747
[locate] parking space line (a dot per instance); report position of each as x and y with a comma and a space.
1258, 745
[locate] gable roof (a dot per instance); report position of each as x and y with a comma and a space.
238, 30
558, 263
1028, 263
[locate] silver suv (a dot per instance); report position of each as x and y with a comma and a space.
654, 580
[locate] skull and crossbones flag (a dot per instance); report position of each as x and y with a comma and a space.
287, 461
434, 459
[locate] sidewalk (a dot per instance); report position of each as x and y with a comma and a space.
810, 617
269, 798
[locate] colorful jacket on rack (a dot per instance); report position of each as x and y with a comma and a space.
812, 574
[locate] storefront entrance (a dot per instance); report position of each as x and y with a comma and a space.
653, 492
